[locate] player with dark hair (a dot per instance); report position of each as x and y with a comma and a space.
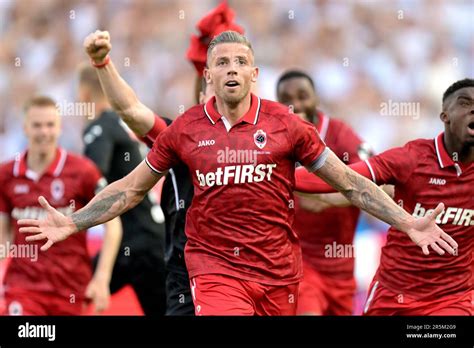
424, 172
60, 281
242, 254
328, 283
111, 145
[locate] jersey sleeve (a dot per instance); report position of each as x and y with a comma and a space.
392, 166
165, 151
160, 124
93, 181
308, 147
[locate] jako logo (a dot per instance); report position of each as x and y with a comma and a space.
33, 331
437, 181
206, 142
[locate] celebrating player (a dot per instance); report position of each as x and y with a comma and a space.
328, 284
425, 172
242, 254
57, 282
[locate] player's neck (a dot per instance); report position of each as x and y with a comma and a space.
233, 112
39, 162
456, 149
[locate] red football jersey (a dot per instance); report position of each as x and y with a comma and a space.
332, 225
68, 184
424, 175
240, 221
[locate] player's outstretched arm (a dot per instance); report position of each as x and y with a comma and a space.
120, 95
366, 195
114, 200
307, 182
319, 202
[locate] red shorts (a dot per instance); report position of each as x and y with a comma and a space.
216, 294
27, 302
322, 295
382, 301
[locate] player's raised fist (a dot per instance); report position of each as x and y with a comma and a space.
98, 46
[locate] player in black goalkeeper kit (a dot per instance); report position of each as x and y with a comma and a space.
116, 151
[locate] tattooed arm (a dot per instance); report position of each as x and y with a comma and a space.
111, 202
364, 194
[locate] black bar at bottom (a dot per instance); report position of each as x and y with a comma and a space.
224, 331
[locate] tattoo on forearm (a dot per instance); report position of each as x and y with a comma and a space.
372, 199
108, 205
363, 193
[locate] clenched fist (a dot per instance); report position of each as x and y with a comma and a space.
98, 46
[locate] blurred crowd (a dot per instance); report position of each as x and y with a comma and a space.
361, 54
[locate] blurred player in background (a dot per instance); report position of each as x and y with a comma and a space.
328, 284
242, 255
177, 192
424, 172
56, 282
111, 145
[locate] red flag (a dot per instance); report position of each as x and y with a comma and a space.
218, 20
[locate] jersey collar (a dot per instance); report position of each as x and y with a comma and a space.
250, 117
443, 157
20, 167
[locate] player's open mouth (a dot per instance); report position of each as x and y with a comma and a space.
470, 128
232, 84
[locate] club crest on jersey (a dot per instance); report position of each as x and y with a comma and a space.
260, 139
57, 189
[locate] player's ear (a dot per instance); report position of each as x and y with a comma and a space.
255, 74
444, 117
207, 75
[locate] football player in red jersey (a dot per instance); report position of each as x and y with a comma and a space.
59, 281
328, 283
242, 254
424, 172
